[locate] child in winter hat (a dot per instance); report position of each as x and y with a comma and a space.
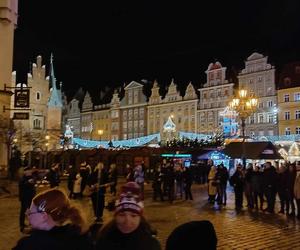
130, 199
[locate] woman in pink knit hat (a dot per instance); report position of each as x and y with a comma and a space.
128, 230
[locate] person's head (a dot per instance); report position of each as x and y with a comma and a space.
191, 234
129, 208
52, 208
267, 165
239, 167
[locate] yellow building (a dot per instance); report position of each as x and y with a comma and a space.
289, 100
8, 22
182, 110
101, 123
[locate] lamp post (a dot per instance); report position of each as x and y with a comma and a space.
100, 133
244, 104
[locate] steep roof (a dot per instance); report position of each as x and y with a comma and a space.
54, 100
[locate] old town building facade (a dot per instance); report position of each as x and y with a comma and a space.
182, 110
258, 77
289, 100
214, 97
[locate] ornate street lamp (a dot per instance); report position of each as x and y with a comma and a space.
100, 133
244, 105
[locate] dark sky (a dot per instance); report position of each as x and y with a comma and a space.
117, 41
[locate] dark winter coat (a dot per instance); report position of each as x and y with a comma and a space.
58, 238
140, 239
26, 189
270, 179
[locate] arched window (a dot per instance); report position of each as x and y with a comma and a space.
38, 96
37, 124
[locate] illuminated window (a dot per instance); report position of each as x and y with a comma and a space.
287, 131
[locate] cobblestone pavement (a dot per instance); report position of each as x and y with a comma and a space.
246, 230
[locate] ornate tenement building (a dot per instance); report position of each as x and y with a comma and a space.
133, 112
8, 22
214, 97
86, 117
101, 122
289, 99
45, 110
258, 77
181, 109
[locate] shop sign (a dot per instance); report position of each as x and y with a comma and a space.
21, 98
21, 116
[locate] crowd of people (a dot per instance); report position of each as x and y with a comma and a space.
54, 219
57, 224
260, 184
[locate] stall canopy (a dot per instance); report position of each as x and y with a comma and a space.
252, 150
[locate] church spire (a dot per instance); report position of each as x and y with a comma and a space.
54, 100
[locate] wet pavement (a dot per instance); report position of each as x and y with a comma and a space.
245, 230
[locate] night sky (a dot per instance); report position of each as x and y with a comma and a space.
115, 42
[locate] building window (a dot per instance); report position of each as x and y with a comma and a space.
287, 115
37, 124
125, 125
286, 98
270, 132
270, 118
251, 119
297, 130
141, 113
136, 96
125, 136
297, 114
261, 105
287, 131
260, 118
270, 103
129, 98
38, 96
297, 97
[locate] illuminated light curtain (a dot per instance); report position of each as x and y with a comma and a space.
136, 142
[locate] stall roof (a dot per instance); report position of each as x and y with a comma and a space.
253, 150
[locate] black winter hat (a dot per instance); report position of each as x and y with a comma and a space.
193, 235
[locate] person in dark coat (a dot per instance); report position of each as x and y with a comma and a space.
26, 193
128, 230
48, 214
257, 187
53, 176
193, 235
237, 180
282, 188
291, 176
187, 182
270, 179
113, 178
98, 181
71, 179
156, 184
